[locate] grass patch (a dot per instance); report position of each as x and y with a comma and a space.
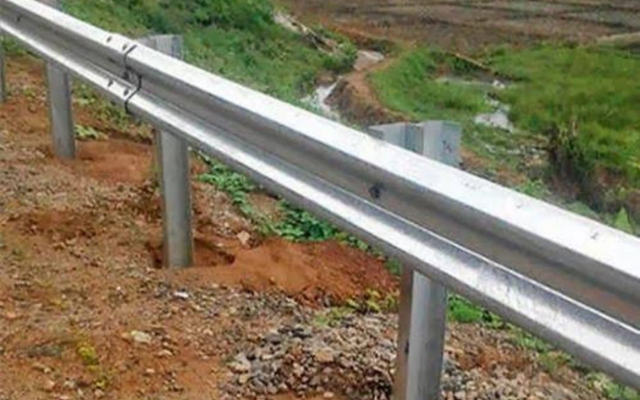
410, 86
573, 107
583, 100
237, 39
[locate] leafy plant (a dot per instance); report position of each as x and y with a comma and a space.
84, 132
611, 389
236, 185
299, 225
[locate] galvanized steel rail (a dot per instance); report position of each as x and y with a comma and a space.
565, 278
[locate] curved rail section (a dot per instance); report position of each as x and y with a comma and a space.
568, 279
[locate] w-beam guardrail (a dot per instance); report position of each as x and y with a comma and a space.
565, 278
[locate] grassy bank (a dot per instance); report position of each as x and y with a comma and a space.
577, 105
234, 38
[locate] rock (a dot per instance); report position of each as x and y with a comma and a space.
367, 59
140, 337
182, 295
324, 355
11, 316
149, 372
274, 338
164, 353
328, 395
240, 364
41, 367
49, 385
244, 238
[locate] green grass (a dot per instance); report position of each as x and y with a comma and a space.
409, 86
237, 39
585, 100
575, 110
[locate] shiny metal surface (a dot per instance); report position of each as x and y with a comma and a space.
172, 158
60, 112
563, 277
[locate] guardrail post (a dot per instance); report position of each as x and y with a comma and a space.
423, 303
172, 154
3, 85
60, 112
60, 108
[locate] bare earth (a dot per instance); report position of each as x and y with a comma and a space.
85, 312
469, 25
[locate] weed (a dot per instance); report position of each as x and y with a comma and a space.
11, 46
611, 389
87, 354
299, 225
551, 361
84, 132
535, 188
236, 185
374, 302
393, 266
331, 316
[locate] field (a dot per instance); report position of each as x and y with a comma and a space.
572, 130
469, 25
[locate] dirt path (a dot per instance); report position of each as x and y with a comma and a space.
85, 312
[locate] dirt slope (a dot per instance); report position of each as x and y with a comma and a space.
79, 255
85, 312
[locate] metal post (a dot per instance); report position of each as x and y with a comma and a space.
172, 155
423, 303
60, 112
3, 85
60, 108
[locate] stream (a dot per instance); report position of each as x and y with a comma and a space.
498, 118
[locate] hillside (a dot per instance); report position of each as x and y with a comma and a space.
279, 305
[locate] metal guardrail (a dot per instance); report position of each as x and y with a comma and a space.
565, 278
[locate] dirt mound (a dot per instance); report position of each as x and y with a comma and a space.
357, 101
312, 273
114, 161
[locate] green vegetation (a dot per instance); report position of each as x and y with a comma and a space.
88, 133
410, 86
237, 39
612, 390
584, 100
573, 107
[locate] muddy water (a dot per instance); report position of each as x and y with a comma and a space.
365, 60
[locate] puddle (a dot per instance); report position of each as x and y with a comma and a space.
499, 118
318, 100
